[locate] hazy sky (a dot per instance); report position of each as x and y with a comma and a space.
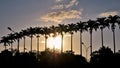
21, 14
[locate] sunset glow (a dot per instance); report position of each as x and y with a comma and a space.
54, 42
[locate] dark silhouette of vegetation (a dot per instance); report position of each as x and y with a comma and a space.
54, 59
105, 57
45, 59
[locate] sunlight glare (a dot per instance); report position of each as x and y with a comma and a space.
54, 42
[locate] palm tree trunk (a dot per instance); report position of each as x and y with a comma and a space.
11, 46
62, 44
38, 44
18, 44
91, 42
114, 40
5, 46
53, 48
102, 37
24, 45
31, 44
45, 42
80, 42
71, 43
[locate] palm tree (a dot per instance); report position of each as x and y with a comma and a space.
118, 22
53, 30
11, 37
103, 24
62, 29
91, 24
31, 32
113, 20
46, 32
18, 36
24, 34
81, 26
71, 29
5, 41
38, 31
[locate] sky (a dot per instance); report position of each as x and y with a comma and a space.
22, 14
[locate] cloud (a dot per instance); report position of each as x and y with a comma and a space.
72, 3
60, 16
106, 14
63, 12
58, 0
65, 6
61, 6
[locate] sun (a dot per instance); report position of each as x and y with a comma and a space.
54, 42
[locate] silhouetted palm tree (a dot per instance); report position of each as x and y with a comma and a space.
46, 32
54, 31
31, 32
103, 24
11, 37
38, 31
113, 20
81, 26
24, 34
92, 25
18, 36
62, 29
118, 22
5, 41
71, 28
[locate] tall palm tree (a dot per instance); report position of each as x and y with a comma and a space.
91, 24
24, 34
71, 29
81, 26
38, 31
11, 37
103, 24
46, 32
18, 36
31, 32
53, 30
113, 20
62, 29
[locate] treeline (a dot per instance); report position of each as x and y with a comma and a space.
53, 59
110, 22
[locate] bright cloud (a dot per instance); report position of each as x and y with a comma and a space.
60, 16
63, 13
72, 3
65, 6
61, 6
58, 0
106, 14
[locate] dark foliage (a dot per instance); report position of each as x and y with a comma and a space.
105, 57
53, 59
